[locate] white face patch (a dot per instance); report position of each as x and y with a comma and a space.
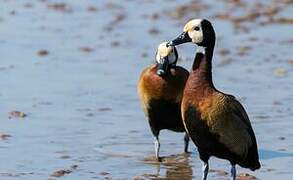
158, 58
194, 30
164, 51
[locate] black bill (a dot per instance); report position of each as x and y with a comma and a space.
182, 38
163, 66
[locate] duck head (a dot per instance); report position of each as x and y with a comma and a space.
166, 57
197, 31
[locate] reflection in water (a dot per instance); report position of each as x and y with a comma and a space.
171, 167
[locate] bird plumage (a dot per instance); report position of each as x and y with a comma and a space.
216, 122
161, 95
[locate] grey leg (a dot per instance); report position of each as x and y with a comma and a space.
157, 147
186, 142
233, 172
158, 169
205, 170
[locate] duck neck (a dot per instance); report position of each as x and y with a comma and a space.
202, 67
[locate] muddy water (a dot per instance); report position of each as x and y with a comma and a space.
73, 67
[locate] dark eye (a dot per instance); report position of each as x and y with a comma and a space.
196, 28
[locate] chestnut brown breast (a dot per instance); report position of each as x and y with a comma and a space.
217, 123
161, 97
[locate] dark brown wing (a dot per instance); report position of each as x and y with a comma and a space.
251, 159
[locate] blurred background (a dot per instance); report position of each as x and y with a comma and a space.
68, 75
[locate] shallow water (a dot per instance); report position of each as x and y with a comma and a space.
80, 98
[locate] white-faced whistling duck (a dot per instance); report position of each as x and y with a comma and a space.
216, 122
160, 89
